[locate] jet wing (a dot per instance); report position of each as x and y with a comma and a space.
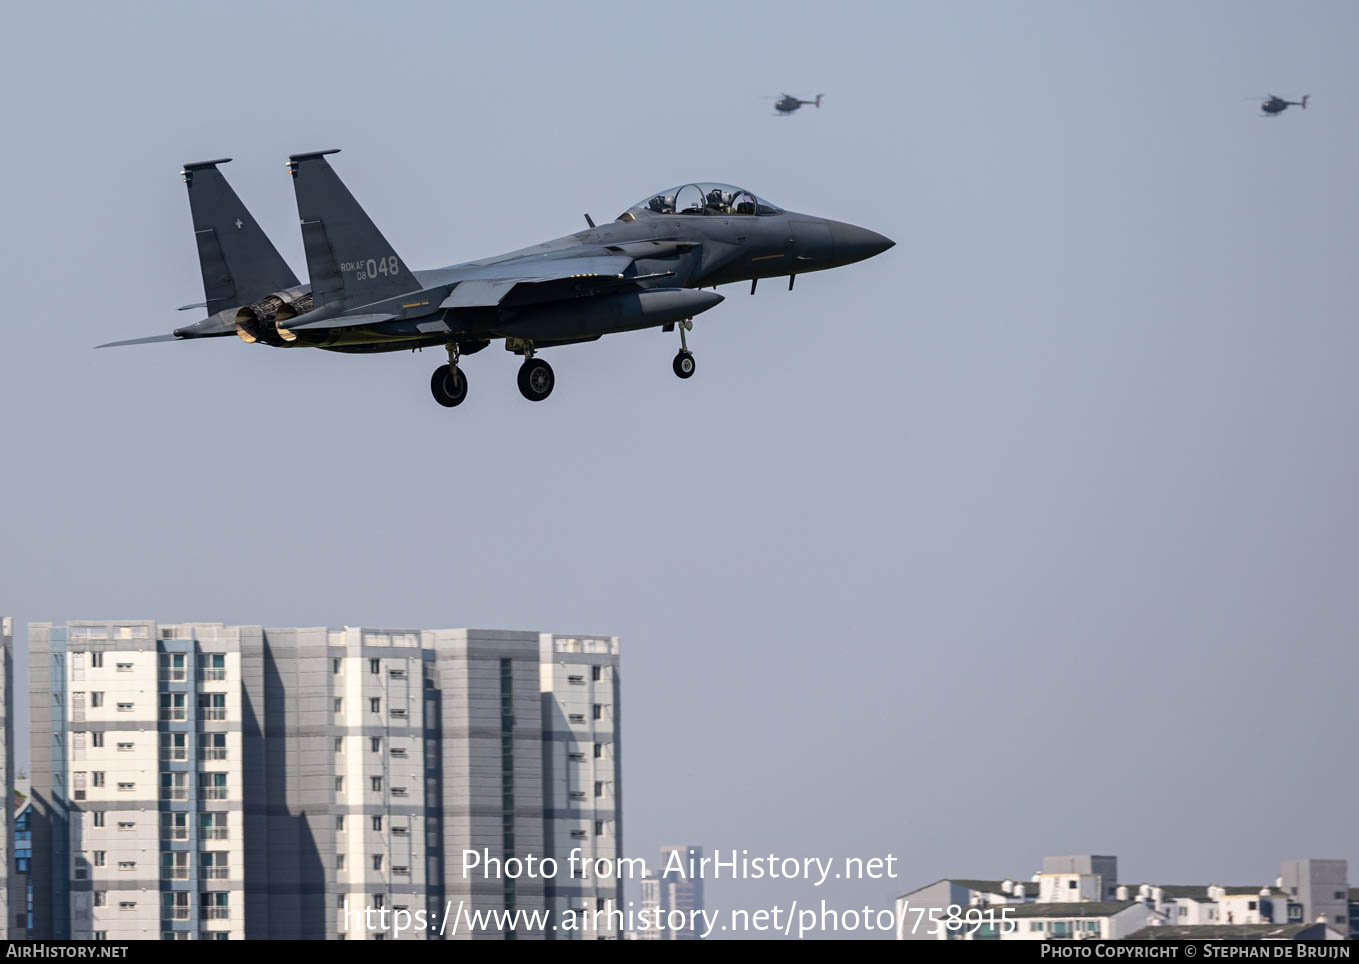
546, 279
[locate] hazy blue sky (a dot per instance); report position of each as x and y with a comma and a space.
1037, 534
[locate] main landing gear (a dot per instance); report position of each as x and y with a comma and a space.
536, 379
684, 361
448, 384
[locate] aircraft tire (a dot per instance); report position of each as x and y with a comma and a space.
684, 364
448, 392
536, 379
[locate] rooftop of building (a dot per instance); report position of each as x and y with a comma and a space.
1094, 908
1240, 932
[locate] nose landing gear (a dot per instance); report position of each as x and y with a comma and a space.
448, 384
684, 361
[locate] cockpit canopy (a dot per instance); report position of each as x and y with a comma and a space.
721, 200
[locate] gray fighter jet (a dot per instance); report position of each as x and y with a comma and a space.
647, 269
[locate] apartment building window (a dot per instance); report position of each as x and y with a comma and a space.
375, 666
400, 870
596, 673
172, 668
377, 823
124, 667
335, 665
174, 905
576, 717
174, 747
101, 898
599, 789
375, 704
576, 680
101, 858
174, 826
173, 707
398, 831
377, 784
97, 778
127, 825
78, 785
126, 747
212, 706
339, 705
339, 861
397, 673
101, 935
99, 817
174, 786
215, 864
213, 746
174, 865
96, 699
377, 744
599, 828
127, 865
598, 710
599, 750
399, 752
339, 821
398, 714
214, 904
124, 707
339, 784
212, 666
212, 826
576, 756
96, 660
97, 740
214, 785
377, 861
127, 905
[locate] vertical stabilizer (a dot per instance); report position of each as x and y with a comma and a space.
349, 260
239, 262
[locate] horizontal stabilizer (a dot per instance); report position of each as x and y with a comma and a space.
301, 323
142, 341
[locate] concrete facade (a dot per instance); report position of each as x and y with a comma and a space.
198, 780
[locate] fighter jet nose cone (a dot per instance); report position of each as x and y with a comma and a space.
853, 243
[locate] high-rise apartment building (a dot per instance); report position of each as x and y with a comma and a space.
7, 920
209, 781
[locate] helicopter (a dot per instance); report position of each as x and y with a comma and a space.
787, 103
1274, 105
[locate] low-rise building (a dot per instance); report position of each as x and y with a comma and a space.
1079, 897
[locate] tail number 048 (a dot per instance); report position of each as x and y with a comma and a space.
375, 267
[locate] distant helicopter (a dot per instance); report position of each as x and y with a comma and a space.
1274, 105
787, 103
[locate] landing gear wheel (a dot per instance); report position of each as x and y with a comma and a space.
684, 364
536, 379
448, 386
